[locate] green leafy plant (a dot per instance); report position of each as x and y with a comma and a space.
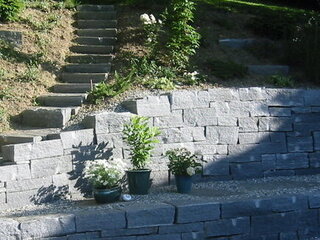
30, 75
9, 9
6, 93
141, 139
103, 175
227, 70
182, 162
281, 81
182, 40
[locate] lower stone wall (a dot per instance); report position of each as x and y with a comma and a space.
278, 218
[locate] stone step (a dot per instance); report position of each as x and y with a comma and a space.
84, 24
84, 77
237, 42
94, 15
62, 100
46, 117
90, 58
92, 49
24, 136
88, 68
101, 32
72, 88
96, 40
267, 70
96, 8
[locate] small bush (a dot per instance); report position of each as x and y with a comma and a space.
281, 81
227, 70
9, 9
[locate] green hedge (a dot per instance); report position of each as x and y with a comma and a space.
9, 9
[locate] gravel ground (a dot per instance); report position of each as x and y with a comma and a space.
219, 191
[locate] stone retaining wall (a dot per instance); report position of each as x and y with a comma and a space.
278, 218
241, 133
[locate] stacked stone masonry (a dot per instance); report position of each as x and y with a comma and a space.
279, 218
240, 133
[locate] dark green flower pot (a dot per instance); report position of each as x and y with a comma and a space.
139, 181
107, 195
183, 183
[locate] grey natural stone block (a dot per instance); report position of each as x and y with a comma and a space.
24, 198
316, 136
241, 109
248, 124
210, 149
84, 236
170, 146
279, 137
174, 119
246, 170
307, 117
223, 94
181, 228
268, 161
292, 161
122, 238
189, 134
314, 201
28, 184
301, 109
252, 94
161, 237
129, 232
2, 197
226, 227
222, 135
275, 124
12, 37
200, 117
279, 222
228, 121
189, 99
149, 215
289, 236
14, 172
285, 97
72, 139
28, 151
314, 159
300, 144
311, 97
258, 109
244, 153
110, 140
152, 106
9, 229
50, 166
95, 220
110, 122
255, 137
216, 166
195, 211
237, 43
193, 236
48, 226
305, 129
280, 112
277, 173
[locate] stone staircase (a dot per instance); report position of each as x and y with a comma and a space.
264, 70
89, 63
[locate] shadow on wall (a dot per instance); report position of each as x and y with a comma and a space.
279, 138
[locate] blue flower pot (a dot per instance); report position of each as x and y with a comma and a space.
107, 195
183, 183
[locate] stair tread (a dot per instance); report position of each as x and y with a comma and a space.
64, 95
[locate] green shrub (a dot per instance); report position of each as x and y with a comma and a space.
227, 70
281, 81
9, 9
183, 40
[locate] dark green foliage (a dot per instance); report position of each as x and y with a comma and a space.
227, 70
281, 81
274, 25
9, 9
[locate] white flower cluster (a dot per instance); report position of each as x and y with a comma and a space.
192, 170
116, 164
149, 19
192, 75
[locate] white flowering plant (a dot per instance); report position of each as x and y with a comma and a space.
152, 27
103, 174
182, 162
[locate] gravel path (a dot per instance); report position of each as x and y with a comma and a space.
219, 191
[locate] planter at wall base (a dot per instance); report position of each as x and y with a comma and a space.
183, 183
107, 195
139, 181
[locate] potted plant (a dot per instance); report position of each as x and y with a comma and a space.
183, 165
141, 139
105, 179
